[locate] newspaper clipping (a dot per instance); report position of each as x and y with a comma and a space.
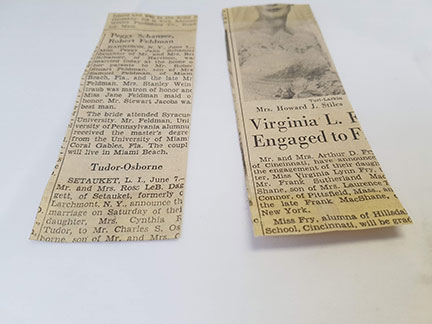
121, 170
309, 167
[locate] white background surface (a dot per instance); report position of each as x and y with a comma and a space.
217, 272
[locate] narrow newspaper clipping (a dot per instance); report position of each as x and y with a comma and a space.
309, 167
121, 170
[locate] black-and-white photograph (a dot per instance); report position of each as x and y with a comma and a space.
281, 59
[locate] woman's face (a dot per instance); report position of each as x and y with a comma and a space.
274, 11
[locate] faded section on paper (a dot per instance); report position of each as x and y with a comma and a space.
121, 170
309, 167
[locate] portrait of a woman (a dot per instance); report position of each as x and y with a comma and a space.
277, 62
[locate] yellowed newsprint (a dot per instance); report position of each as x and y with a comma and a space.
121, 171
309, 167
